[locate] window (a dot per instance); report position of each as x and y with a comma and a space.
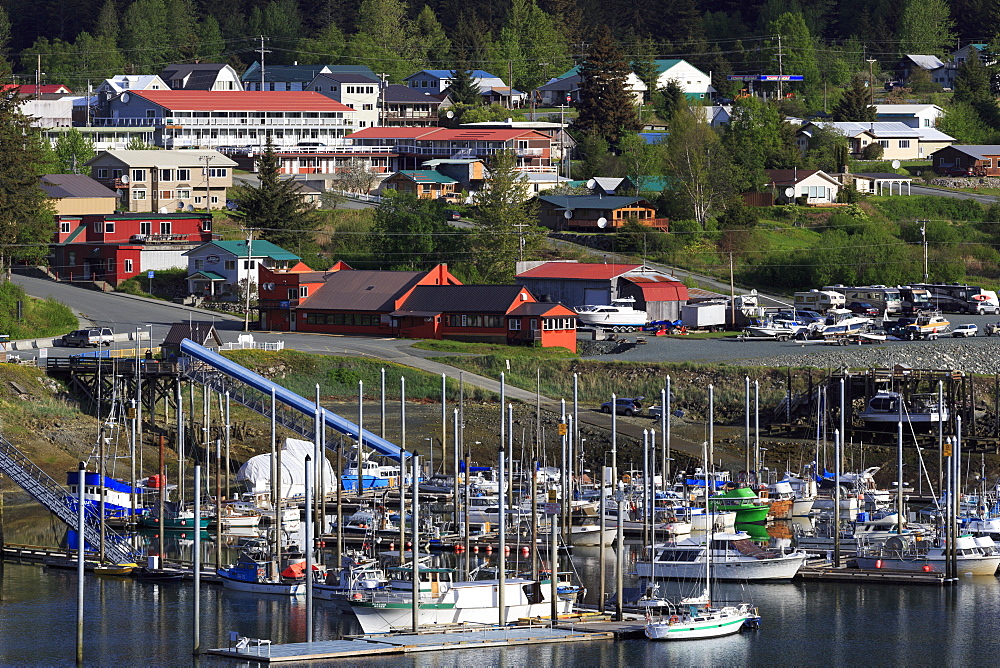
197, 199
116, 173
164, 227
64, 227
97, 227
303, 291
904, 143
111, 265
514, 324
884, 143
183, 174
166, 194
138, 175
102, 173
534, 323
249, 264
128, 266
215, 199
109, 226
183, 194
367, 107
230, 265
150, 113
217, 172
206, 224
166, 174
199, 264
291, 293
988, 163
138, 194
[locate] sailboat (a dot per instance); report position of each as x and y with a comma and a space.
694, 617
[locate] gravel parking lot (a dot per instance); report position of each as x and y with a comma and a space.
976, 355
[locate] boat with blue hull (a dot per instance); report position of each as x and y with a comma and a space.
117, 494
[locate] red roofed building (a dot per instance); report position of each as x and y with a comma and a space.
28, 90
576, 284
209, 119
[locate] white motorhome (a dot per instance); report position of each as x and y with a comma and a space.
884, 298
819, 300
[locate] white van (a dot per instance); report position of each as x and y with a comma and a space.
819, 300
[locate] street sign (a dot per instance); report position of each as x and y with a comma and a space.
563, 429
149, 274
551, 509
744, 77
765, 77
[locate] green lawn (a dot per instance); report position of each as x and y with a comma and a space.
784, 236
494, 349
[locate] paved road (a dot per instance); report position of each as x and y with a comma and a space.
941, 192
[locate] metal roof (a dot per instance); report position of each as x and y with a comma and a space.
573, 202
61, 186
659, 288
427, 176
401, 93
463, 298
579, 271
242, 100
258, 247
169, 158
541, 308
362, 290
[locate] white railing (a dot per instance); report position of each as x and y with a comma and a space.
269, 123
339, 148
358, 196
246, 342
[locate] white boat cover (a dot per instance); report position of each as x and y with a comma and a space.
256, 472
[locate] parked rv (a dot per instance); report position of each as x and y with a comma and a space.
883, 298
819, 300
961, 298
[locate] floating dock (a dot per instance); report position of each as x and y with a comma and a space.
403, 643
880, 576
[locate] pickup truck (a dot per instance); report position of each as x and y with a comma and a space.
94, 336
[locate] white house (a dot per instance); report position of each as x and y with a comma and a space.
913, 115
216, 268
696, 84
201, 76
120, 83
717, 116
353, 90
565, 89
815, 185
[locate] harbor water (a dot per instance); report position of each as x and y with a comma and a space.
131, 623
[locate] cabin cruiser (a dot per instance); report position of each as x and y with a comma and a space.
921, 411
975, 556
734, 556
841, 322
775, 328
621, 313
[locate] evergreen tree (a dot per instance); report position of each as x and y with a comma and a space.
644, 64
25, 211
275, 208
605, 107
472, 41
926, 27
383, 38
144, 27
326, 47
210, 41
73, 150
855, 103
4, 32
504, 217
464, 89
431, 45
528, 47
754, 141
107, 24
670, 100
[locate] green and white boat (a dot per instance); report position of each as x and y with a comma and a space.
749, 508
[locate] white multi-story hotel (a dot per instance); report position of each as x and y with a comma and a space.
213, 119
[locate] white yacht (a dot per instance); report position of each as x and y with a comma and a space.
734, 557
921, 411
620, 313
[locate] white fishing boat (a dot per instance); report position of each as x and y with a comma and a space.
841, 322
442, 601
620, 313
769, 328
975, 556
734, 556
356, 575
919, 411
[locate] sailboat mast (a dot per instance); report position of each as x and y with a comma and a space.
711, 522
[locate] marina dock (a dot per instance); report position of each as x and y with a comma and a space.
405, 643
860, 576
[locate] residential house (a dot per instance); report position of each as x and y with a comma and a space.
910, 62
813, 186
165, 180
577, 283
899, 141
354, 90
437, 82
32, 90
411, 107
116, 247
565, 89
414, 304
913, 115
595, 213
281, 290
424, 183
697, 85
209, 119
78, 195
715, 115
216, 268
120, 83
978, 160
296, 77
611, 185
201, 76
470, 173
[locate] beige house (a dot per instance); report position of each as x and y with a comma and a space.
78, 195
165, 181
899, 141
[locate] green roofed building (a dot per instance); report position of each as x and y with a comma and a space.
424, 183
216, 268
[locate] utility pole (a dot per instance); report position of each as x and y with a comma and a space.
262, 51
923, 235
249, 261
208, 188
871, 78
520, 240
562, 141
38, 79
381, 110
781, 72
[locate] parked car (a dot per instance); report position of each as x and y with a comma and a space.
96, 336
451, 214
624, 406
863, 308
809, 317
962, 331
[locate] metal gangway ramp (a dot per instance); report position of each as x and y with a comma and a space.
62, 504
252, 390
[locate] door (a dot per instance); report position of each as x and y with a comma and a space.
596, 296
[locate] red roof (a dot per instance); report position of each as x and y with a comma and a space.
391, 133
579, 271
242, 100
660, 288
481, 134
32, 89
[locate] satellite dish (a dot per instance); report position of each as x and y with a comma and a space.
789, 192
567, 214
190, 207
592, 183
164, 209
895, 164
602, 222
125, 97
180, 206
124, 180
449, 114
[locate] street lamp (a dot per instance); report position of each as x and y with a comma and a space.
871, 78
923, 235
